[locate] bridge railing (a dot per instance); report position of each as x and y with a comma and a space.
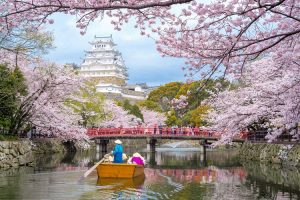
153, 131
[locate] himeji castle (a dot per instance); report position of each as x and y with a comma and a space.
104, 64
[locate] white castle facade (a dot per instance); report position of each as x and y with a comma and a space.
104, 64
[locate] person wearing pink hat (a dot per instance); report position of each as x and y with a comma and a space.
137, 159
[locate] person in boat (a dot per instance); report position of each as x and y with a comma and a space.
136, 159
118, 152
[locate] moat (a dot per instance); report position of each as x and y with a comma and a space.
172, 175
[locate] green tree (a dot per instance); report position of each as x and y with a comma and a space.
194, 113
172, 119
164, 94
151, 105
133, 109
197, 117
14, 113
198, 91
126, 105
12, 89
89, 104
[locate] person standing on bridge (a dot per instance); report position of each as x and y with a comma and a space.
118, 152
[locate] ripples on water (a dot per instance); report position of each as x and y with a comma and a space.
171, 175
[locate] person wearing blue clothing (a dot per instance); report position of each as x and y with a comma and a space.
118, 152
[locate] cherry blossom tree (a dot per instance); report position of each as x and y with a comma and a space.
224, 35
49, 88
32, 13
269, 94
116, 116
221, 36
179, 103
152, 118
217, 36
43, 107
88, 103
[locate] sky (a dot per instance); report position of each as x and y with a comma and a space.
144, 63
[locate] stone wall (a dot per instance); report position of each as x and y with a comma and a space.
271, 153
16, 153
48, 146
24, 152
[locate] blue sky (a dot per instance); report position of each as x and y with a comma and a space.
144, 63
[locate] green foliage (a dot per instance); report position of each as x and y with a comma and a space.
89, 104
28, 42
133, 109
150, 105
126, 105
198, 91
164, 94
172, 119
12, 88
197, 116
194, 113
168, 90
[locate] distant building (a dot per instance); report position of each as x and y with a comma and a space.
104, 64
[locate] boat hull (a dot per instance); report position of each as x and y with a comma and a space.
117, 170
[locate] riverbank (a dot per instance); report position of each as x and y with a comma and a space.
23, 152
271, 153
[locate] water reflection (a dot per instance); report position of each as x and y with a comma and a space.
170, 175
175, 159
271, 181
205, 175
124, 183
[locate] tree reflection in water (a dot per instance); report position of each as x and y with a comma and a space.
172, 175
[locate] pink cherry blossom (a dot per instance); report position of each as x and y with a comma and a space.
269, 90
44, 106
152, 118
179, 103
116, 116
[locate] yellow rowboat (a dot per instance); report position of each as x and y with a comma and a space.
119, 170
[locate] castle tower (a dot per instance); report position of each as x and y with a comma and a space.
105, 64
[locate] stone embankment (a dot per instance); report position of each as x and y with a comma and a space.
23, 152
16, 153
271, 153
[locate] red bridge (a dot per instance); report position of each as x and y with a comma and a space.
165, 132
103, 135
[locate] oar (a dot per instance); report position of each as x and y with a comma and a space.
94, 167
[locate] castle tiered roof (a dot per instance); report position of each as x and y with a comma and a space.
104, 63
104, 60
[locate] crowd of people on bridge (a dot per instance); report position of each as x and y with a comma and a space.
155, 130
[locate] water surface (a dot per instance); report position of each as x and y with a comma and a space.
169, 175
